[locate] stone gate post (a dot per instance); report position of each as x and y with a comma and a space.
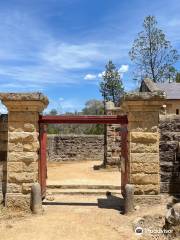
23, 146
143, 145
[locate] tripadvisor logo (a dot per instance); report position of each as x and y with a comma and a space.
139, 230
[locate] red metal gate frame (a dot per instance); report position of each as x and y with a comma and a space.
103, 119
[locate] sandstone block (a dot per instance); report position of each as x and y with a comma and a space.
144, 148
31, 147
147, 167
15, 147
147, 200
144, 158
143, 116
150, 189
144, 137
22, 156
17, 201
23, 117
142, 126
142, 178
30, 166
15, 166
23, 177
14, 188
23, 126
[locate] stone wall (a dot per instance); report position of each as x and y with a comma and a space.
75, 147
170, 153
3, 153
113, 138
113, 154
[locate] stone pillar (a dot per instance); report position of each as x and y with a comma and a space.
23, 146
113, 139
143, 145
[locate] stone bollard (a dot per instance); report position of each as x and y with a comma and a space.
129, 198
36, 199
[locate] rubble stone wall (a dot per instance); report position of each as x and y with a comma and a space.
3, 153
75, 147
113, 154
170, 153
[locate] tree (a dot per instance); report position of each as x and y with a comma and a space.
178, 77
53, 112
152, 54
93, 107
111, 86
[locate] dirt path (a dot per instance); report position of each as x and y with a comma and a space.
69, 223
77, 217
81, 173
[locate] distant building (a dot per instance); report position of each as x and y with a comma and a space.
172, 91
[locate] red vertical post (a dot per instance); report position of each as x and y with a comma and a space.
124, 157
43, 160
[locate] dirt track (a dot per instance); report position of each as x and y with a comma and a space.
77, 217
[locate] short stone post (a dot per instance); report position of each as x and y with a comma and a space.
23, 146
143, 145
36, 199
129, 199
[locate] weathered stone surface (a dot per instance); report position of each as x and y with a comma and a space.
22, 137
144, 158
30, 166
15, 146
150, 117
146, 167
29, 117
26, 188
141, 178
144, 148
15, 166
150, 189
14, 188
23, 126
32, 147
23, 177
142, 137
148, 200
18, 201
22, 156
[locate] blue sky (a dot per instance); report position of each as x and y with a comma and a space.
60, 47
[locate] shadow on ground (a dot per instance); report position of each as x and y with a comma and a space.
110, 202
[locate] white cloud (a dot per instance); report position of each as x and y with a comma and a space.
124, 68
90, 77
100, 75
35, 59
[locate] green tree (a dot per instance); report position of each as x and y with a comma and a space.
178, 77
152, 54
111, 86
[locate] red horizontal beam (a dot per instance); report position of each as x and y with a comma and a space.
103, 119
